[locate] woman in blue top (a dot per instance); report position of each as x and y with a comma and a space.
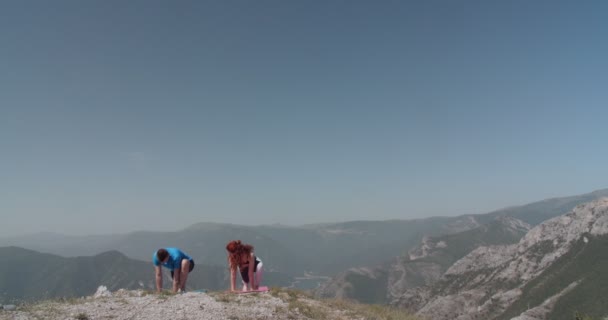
178, 262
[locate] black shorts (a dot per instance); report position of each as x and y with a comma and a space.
191, 267
245, 271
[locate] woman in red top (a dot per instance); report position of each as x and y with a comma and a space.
241, 256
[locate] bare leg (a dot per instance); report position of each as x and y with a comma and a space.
184, 274
176, 280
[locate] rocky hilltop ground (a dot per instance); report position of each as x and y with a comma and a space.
529, 280
132, 305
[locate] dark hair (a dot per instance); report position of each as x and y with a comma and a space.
161, 255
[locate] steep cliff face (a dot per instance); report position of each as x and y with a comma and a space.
367, 285
428, 262
422, 265
489, 281
501, 230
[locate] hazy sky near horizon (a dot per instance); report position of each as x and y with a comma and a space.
129, 115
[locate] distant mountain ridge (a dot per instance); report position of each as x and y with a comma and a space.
26, 274
290, 250
536, 212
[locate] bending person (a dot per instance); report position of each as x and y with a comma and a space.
178, 262
241, 256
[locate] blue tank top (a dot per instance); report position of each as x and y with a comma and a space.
175, 259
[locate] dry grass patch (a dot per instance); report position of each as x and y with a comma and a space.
43, 309
289, 295
302, 303
224, 297
371, 312
309, 309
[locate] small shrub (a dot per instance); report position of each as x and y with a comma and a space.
274, 291
580, 316
81, 316
371, 311
224, 297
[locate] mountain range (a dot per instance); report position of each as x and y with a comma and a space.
407, 263
323, 249
422, 263
320, 249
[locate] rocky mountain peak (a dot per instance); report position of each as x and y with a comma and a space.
490, 280
585, 218
547, 241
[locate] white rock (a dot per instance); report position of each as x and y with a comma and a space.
102, 291
10, 307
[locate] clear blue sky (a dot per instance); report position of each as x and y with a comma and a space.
127, 115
